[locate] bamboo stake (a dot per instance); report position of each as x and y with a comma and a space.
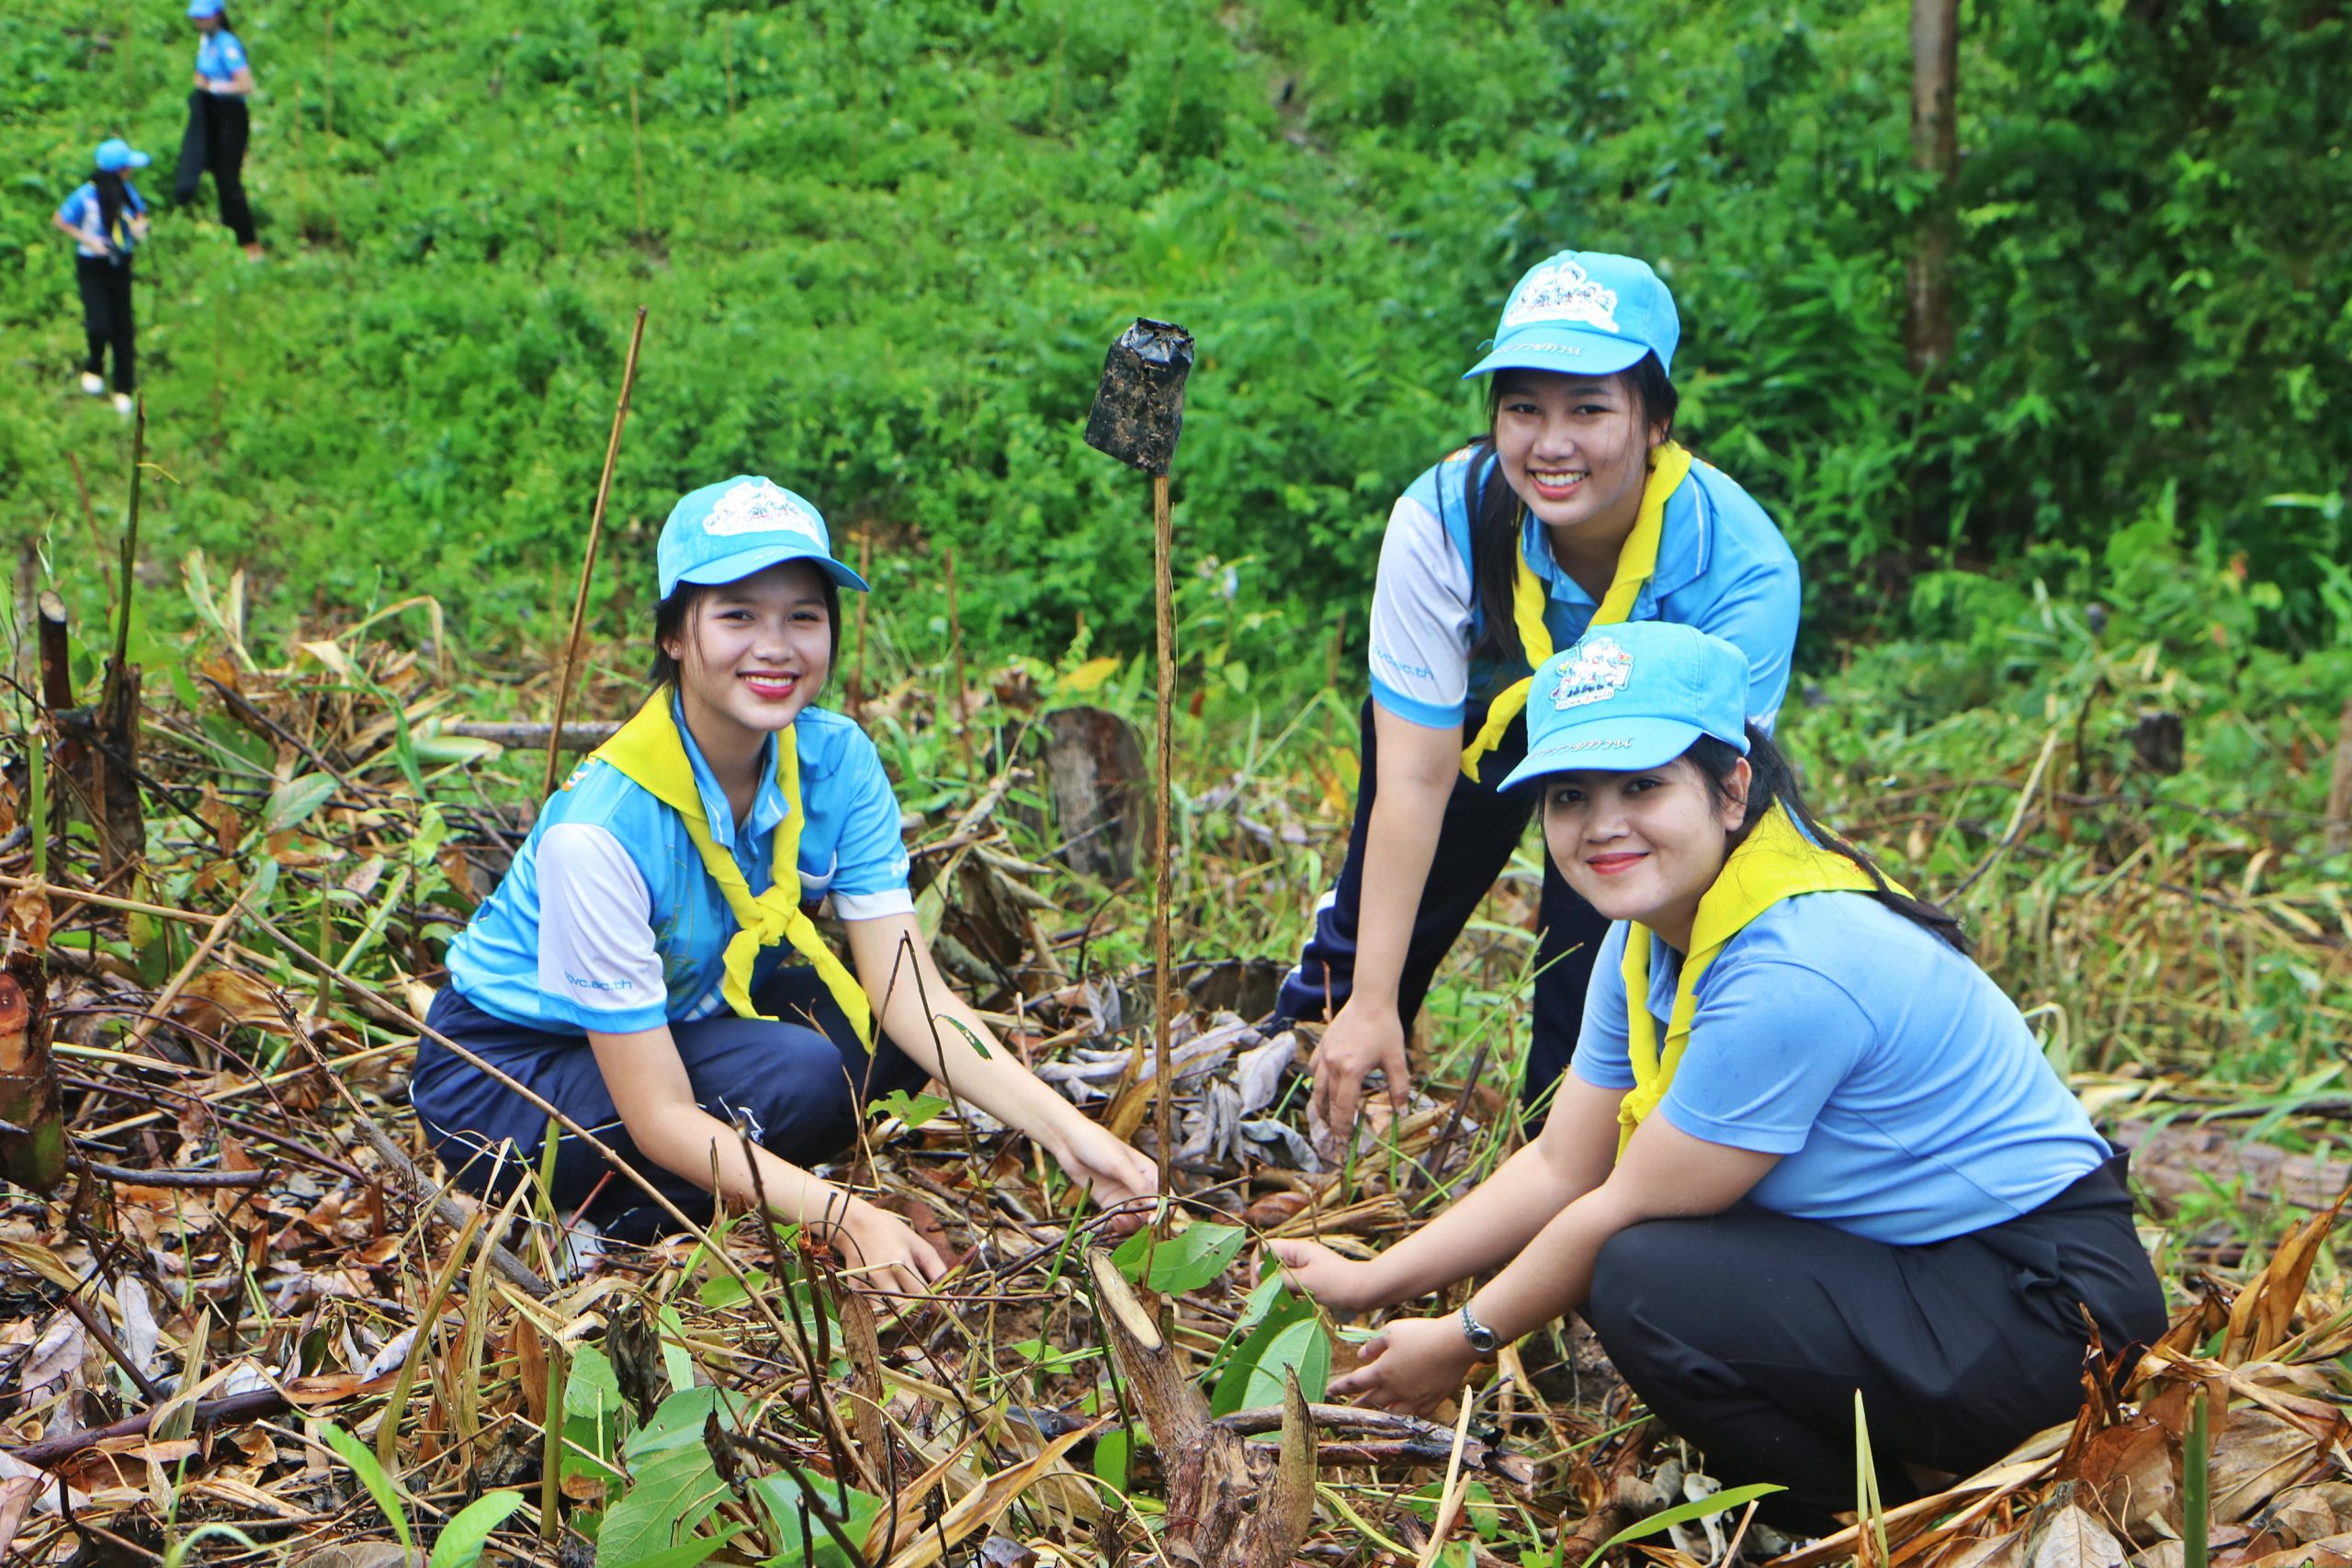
588, 561
1163, 866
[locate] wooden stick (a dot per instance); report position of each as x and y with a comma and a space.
1163, 867
582, 735
229, 1408
596, 534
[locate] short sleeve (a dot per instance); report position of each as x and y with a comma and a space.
1769, 1043
1604, 1054
870, 881
138, 202
1758, 616
75, 213
1421, 620
598, 964
232, 55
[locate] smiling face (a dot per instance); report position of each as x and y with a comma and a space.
1643, 846
752, 654
1575, 450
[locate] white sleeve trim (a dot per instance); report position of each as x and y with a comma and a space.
1420, 614
874, 906
596, 950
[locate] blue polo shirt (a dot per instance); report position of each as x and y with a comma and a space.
1903, 1091
218, 58
1722, 566
82, 211
607, 920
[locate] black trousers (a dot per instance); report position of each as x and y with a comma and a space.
105, 316
1481, 828
1748, 1332
214, 142
796, 1085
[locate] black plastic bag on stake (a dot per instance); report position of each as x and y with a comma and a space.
1139, 406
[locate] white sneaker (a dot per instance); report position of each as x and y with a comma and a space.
122, 404
93, 385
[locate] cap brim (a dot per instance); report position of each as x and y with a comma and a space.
1566, 350
743, 563
1617, 746
138, 161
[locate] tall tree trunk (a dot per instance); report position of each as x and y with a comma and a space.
1935, 74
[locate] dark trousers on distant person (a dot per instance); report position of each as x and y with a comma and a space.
1748, 1332
105, 283
214, 143
796, 1086
1482, 826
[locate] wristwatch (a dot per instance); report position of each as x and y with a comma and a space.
1482, 1339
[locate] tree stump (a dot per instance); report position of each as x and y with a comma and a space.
1095, 766
1229, 1506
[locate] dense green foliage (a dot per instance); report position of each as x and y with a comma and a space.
884, 245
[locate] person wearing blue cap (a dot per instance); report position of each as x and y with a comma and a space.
1576, 509
107, 218
1806, 1146
217, 122
635, 969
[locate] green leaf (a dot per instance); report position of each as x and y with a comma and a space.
1721, 1502
1303, 1347
1183, 1262
809, 1542
914, 1109
687, 1553
463, 1537
1111, 1450
363, 1464
669, 1494
292, 803
1271, 1310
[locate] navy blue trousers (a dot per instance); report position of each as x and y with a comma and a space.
1748, 1332
796, 1086
1483, 825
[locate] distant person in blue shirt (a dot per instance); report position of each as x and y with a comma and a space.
218, 123
1575, 509
1806, 1146
107, 218
636, 967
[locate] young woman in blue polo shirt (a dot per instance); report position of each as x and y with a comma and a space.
107, 218
219, 125
635, 967
1806, 1146
1576, 509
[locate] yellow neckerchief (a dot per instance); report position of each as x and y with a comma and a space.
1636, 564
1775, 861
649, 751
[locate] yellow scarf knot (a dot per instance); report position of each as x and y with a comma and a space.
649, 751
1774, 862
1636, 564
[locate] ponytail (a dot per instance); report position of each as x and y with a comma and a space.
1773, 781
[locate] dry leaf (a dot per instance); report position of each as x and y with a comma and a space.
2071, 1537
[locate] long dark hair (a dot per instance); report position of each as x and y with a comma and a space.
1773, 780
1495, 507
112, 197
671, 616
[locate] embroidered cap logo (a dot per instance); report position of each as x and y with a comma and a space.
1598, 672
1562, 292
759, 506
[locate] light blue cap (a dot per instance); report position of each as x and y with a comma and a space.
114, 154
1583, 313
1632, 697
724, 532
198, 10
